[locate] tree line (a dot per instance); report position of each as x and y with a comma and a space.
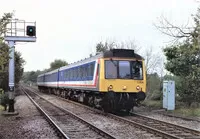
31, 76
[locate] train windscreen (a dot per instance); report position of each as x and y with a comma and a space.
121, 69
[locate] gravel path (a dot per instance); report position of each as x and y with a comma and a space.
27, 124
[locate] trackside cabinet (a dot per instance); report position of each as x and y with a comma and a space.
169, 95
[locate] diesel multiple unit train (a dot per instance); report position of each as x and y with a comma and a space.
113, 80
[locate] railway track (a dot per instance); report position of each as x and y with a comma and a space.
154, 127
67, 124
115, 127
173, 129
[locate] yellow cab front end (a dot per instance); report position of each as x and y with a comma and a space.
126, 77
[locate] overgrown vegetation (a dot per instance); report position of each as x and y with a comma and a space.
183, 61
188, 112
4, 56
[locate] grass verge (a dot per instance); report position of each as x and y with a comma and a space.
152, 103
194, 112
1, 108
182, 111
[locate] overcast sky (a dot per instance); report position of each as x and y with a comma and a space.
69, 30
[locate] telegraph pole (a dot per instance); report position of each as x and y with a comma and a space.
17, 31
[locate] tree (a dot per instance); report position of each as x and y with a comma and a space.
154, 69
4, 21
57, 63
183, 58
3, 47
177, 32
104, 46
4, 56
19, 63
153, 87
153, 61
183, 61
31, 76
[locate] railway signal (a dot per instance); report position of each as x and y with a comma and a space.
30, 31
12, 36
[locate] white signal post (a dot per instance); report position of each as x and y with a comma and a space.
16, 31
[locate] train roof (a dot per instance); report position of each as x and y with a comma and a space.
122, 53
47, 73
41, 75
53, 71
86, 60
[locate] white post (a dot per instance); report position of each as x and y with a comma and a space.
169, 95
11, 76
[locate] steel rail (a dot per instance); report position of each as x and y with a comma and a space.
172, 124
100, 131
63, 135
145, 127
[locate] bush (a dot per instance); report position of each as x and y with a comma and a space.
156, 95
4, 100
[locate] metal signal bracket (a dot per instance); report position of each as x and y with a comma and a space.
15, 32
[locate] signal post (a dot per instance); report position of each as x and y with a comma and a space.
17, 31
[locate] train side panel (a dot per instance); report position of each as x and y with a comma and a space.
51, 79
83, 76
40, 80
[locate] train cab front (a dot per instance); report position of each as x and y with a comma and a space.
124, 80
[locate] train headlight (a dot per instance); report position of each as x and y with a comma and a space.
124, 88
138, 88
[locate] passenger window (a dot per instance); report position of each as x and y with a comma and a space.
111, 69
92, 69
124, 70
89, 69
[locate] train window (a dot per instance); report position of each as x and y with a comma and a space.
92, 69
70, 71
74, 73
124, 70
68, 75
137, 70
84, 72
78, 73
88, 70
81, 72
111, 69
